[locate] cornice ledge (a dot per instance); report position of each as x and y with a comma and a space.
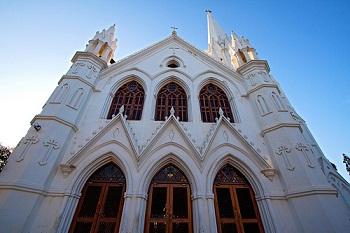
281, 125
68, 76
273, 85
253, 64
89, 55
54, 118
314, 190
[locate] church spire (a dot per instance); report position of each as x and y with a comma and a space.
103, 44
218, 41
234, 51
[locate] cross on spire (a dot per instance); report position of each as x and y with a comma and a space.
174, 30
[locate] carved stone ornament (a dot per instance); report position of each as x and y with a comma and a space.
28, 142
77, 66
66, 169
171, 135
51, 145
305, 149
92, 69
269, 173
284, 151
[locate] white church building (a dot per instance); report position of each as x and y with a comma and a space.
171, 139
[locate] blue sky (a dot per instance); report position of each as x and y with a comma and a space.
305, 42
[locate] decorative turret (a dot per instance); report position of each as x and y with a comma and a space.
103, 44
243, 52
233, 52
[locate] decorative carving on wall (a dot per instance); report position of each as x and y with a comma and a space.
91, 71
251, 79
77, 66
284, 151
225, 135
116, 133
171, 135
51, 145
66, 169
28, 142
305, 149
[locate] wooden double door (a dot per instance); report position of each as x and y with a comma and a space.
235, 205
100, 206
169, 203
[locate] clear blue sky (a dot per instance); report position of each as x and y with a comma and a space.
305, 42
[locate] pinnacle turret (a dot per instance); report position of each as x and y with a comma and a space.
103, 44
234, 51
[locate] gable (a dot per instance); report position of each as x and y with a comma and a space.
152, 60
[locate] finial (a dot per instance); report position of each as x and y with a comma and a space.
208, 11
121, 109
174, 30
172, 111
221, 113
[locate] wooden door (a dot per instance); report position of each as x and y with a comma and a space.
169, 205
235, 206
100, 206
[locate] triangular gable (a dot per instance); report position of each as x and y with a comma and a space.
157, 46
225, 132
170, 132
116, 129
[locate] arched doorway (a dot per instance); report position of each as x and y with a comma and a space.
100, 206
169, 202
235, 206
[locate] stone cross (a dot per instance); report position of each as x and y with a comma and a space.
27, 142
51, 145
282, 151
304, 149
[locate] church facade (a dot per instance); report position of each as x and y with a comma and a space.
171, 139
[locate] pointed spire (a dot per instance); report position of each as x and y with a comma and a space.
218, 41
215, 31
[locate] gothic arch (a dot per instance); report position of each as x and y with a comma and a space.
263, 107
175, 58
253, 176
150, 170
181, 91
228, 92
81, 176
132, 99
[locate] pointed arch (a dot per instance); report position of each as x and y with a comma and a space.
101, 204
132, 96
77, 98
171, 95
61, 94
262, 105
235, 205
211, 99
276, 99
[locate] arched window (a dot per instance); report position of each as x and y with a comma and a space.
171, 95
131, 95
211, 99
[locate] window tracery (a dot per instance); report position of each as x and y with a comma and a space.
131, 95
211, 99
171, 95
